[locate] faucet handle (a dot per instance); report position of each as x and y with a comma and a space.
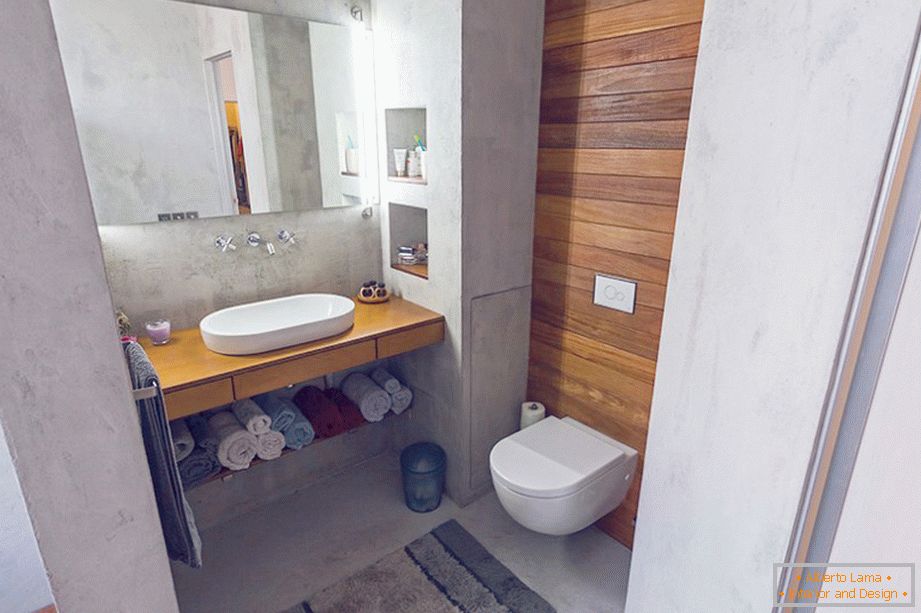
286, 237
224, 242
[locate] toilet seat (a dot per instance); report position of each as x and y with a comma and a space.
554, 458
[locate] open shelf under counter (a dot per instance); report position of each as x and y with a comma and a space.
226, 473
195, 379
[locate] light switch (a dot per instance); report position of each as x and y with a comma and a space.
615, 293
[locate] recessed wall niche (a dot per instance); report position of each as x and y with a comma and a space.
409, 238
407, 141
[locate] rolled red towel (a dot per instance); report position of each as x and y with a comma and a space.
322, 413
350, 412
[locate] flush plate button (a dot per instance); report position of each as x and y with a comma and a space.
614, 293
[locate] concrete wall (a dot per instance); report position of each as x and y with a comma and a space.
65, 404
497, 374
173, 269
281, 50
502, 47
22, 573
290, 68
475, 68
783, 161
138, 90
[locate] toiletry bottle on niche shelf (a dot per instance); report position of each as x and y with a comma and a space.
421, 149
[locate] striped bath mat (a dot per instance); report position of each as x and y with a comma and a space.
445, 571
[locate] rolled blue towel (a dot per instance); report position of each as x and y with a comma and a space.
202, 434
282, 411
198, 466
299, 433
183, 442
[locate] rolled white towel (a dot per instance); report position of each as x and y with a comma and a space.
183, 441
371, 399
251, 416
237, 447
387, 381
270, 445
402, 398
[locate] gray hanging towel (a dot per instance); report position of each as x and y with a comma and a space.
183, 543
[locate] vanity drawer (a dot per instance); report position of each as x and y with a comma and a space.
198, 398
401, 342
270, 378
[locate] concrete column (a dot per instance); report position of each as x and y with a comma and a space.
792, 115
65, 403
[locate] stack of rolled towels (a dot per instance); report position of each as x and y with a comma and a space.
233, 437
295, 429
262, 427
400, 395
201, 463
378, 394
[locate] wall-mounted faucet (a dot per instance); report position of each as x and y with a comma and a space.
224, 242
253, 239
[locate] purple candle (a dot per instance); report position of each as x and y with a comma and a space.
158, 331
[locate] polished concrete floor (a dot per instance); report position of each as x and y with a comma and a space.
276, 556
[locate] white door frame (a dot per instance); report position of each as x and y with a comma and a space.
219, 129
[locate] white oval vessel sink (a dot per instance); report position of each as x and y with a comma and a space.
273, 324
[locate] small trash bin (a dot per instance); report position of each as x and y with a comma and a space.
423, 466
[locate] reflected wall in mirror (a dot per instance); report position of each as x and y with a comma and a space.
187, 111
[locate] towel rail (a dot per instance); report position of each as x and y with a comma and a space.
145, 392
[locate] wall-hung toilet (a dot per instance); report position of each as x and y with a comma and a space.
560, 476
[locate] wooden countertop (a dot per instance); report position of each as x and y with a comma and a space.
186, 362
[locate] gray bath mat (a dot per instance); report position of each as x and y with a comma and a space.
445, 571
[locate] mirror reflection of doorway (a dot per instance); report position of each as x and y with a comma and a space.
227, 96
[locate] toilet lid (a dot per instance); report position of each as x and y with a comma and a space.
552, 458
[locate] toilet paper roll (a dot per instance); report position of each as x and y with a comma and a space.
531, 413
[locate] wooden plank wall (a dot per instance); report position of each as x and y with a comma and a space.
615, 100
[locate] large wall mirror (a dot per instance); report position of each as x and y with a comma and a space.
187, 111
